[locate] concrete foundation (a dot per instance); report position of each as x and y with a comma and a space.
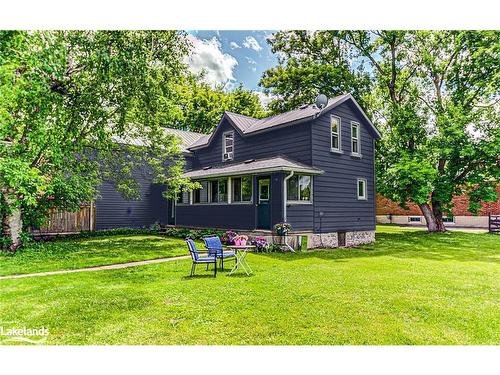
330, 240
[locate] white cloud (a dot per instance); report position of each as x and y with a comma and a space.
252, 64
207, 56
234, 45
264, 98
251, 42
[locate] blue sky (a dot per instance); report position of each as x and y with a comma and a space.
231, 57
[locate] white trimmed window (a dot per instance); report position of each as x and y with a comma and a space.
228, 146
335, 127
201, 195
242, 189
299, 189
355, 138
218, 191
361, 186
183, 197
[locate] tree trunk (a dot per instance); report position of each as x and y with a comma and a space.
434, 222
12, 223
438, 215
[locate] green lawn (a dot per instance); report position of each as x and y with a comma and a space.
70, 253
409, 288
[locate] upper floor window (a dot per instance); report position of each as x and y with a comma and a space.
335, 125
362, 189
299, 188
242, 189
228, 146
355, 144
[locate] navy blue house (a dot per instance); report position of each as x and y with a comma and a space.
311, 167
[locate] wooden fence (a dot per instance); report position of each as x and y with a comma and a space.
494, 223
62, 222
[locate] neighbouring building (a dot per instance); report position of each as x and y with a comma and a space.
390, 212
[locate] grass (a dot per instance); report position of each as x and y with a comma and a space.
70, 253
408, 288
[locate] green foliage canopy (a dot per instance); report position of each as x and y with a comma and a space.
435, 95
77, 107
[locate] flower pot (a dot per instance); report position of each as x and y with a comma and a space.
237, 242
243, 242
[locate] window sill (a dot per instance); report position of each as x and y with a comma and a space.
215, 204
334, 151
297, 203
362, 199
204, 204
357, 156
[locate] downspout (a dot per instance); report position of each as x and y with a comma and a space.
285, 193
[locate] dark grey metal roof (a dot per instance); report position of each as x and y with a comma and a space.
249, 125
290, 116
274, 164
187, 138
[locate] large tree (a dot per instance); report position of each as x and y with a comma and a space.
70, 102
202, 105
438, 96
436, 99
311, 63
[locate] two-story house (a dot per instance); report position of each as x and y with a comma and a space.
311, 167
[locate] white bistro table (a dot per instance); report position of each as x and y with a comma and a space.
241, 254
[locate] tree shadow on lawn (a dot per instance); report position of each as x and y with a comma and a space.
109, 246
463, 247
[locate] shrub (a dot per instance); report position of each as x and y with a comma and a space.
282, 228
195, 234
228, 237
275, 248
261, 244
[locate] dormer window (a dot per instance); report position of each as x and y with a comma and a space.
228, 146
335, 125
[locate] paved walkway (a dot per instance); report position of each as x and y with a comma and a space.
96, 268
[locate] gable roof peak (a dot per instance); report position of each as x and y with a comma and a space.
247, 125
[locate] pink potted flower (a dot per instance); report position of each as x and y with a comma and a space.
240, 240
243, 240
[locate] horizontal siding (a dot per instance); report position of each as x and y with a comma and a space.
335, 192
114, 211
293, 141
225, 216
300, 216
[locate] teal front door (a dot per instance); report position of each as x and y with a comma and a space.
264, 202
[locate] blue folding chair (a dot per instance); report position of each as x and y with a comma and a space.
214, 247
197, 259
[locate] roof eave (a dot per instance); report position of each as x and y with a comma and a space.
344, 99
259, 170
224, 115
